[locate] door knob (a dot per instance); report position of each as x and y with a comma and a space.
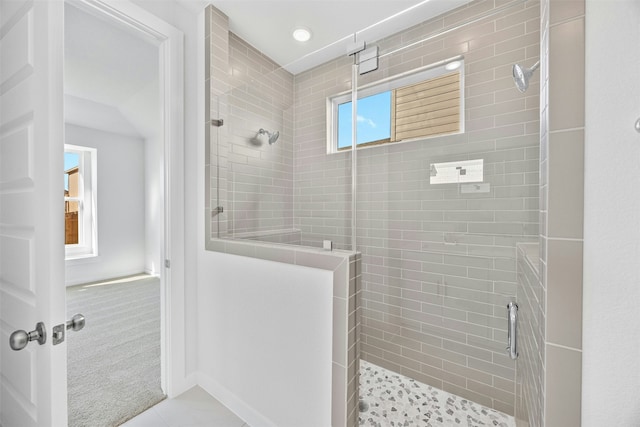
19, 339
637, 126
76, 323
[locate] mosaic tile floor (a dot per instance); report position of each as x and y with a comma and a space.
397, 401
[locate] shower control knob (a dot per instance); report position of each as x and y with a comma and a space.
637, 126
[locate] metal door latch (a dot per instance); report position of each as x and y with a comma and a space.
76, 323
217, 210
58, 334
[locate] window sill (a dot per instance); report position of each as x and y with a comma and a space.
81, 258
395, 143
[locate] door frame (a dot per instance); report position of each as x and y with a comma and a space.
170, 42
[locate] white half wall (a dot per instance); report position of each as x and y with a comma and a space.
265, 339
121, 210
611, 314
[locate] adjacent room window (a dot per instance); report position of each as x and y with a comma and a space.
80, 196
424, 103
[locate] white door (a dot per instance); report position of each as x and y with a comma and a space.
32, 381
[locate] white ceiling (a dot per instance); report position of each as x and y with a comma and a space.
111, 76
268, 24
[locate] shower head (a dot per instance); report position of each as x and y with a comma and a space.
272, 137
521, 75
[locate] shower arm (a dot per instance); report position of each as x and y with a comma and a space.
535, 66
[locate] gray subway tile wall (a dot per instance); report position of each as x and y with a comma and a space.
563, 387
548, 394
250, 178
564, 217
322, 193
566, 183
259, 175
531, 335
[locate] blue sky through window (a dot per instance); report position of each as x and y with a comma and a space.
70, 160
374, 119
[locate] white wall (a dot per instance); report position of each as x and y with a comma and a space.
121, 197
611, 315
265, 349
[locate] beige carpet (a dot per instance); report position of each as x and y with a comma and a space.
113, 364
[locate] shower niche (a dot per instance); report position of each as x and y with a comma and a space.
433, 205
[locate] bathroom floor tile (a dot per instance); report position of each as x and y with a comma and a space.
148, 418
193, 408
395, 400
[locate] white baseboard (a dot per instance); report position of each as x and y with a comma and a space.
233, 402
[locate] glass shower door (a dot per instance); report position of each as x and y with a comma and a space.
441, 207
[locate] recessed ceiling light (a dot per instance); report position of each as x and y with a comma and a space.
453, 65
301, 34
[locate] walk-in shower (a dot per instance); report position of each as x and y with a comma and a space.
442, 187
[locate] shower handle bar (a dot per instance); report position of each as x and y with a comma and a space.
512, 330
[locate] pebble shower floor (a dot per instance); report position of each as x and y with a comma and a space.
393, 400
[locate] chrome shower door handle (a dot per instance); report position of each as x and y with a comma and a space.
512, 330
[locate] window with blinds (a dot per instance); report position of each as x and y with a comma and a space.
427, 109
422, 104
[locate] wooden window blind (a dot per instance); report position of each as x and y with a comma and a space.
428, 108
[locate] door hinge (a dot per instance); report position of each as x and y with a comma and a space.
167, 263
217, 210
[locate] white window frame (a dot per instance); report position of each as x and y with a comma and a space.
390, 83
87, 199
